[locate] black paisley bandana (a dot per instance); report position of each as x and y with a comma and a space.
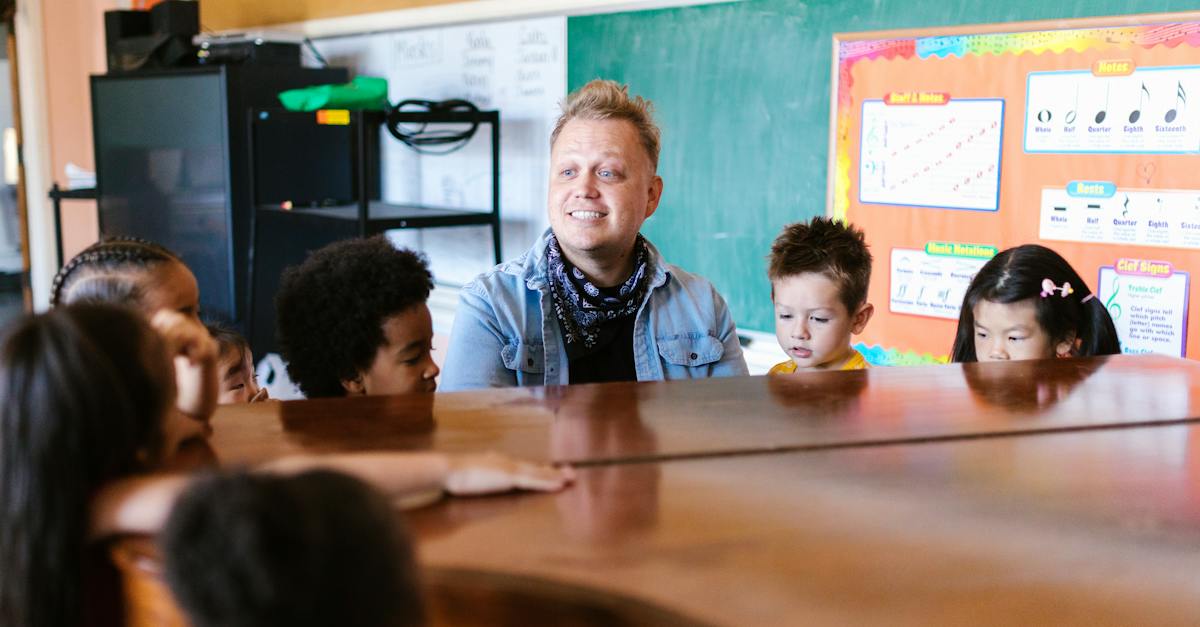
582, 308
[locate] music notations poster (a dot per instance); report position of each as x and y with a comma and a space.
1084, 139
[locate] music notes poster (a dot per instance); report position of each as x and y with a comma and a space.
1083, 139
1113, 107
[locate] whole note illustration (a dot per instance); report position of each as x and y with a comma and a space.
1180, 96
1136, 114
1044, 116
1103, 113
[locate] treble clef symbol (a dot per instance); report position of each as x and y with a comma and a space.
1114, 309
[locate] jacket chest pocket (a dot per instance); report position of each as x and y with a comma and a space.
690, 350
527, 357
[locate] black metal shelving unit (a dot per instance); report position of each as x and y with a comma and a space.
284, 236
57, 195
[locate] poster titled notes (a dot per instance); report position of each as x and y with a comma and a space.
1114, 107
932, 282
1148, 302
930, 150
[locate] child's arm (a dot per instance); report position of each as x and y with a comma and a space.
195, 355
397, 474
142, 504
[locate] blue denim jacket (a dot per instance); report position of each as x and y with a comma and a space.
506, 334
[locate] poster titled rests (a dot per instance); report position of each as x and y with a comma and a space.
932, 282
1097, 212
927, 149
1148, 301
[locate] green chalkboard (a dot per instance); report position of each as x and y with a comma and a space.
742, 93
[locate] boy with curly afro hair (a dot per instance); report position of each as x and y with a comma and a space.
352, 320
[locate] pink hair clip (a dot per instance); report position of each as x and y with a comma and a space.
1048, 288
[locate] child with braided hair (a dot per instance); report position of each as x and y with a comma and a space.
155, 281
140, 273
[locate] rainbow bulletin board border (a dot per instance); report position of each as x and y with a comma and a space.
1054, 41
849, 52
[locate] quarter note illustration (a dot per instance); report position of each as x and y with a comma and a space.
1101, 114
1180, 96
1136, 114
1070, 117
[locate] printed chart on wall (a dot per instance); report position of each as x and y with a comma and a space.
950, 148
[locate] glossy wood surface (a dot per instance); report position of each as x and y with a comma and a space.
1085, 528
1060, 492
652, 421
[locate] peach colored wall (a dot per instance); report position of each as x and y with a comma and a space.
74, 49
226, 14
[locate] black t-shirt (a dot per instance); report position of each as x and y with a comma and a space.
611, 359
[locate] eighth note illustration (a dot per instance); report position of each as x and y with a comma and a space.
1180, 96
1137, 113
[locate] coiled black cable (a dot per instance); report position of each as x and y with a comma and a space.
427, 141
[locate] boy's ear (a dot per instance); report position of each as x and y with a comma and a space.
862, 317
354, 387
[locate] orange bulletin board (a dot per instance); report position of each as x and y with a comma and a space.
1083, 136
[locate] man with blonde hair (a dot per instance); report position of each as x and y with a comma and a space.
592, 300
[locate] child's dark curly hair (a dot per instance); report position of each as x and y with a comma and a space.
330, 309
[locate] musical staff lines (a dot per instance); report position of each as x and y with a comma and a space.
943, 156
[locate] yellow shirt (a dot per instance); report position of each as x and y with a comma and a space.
856, 362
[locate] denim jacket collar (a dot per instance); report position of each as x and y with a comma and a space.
531, 267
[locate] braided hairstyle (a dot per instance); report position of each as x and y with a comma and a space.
104, 271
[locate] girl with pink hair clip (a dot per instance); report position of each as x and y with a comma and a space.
1029, 303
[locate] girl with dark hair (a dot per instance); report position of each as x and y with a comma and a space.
86, 423
86, 391
1029, 303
